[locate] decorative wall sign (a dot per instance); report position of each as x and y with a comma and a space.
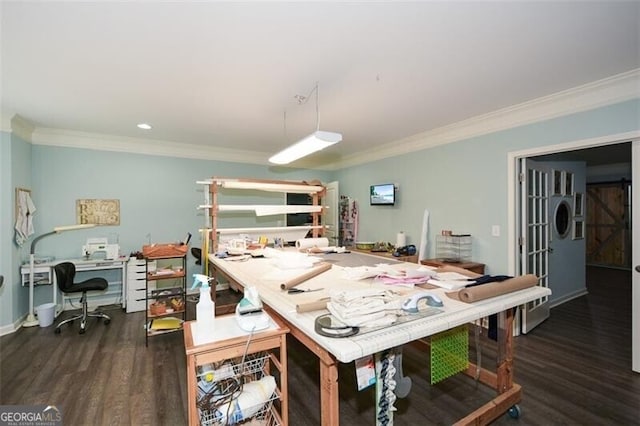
100, 212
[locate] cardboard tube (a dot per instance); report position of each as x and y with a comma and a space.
324, 266
318, 305
485, 291
307, 243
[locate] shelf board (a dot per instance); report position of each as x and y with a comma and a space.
166, 314
155, 277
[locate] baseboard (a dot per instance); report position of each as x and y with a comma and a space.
568, 297
12, 328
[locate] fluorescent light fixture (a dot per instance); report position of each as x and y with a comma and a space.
316, 141
144, 126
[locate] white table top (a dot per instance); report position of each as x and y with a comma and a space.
262, 274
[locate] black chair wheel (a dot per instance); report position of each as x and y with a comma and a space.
57, 330
82, 330
107, 321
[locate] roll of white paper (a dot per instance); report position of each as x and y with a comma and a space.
401, 239
305, 243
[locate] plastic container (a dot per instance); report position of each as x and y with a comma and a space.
205, 308
45, 313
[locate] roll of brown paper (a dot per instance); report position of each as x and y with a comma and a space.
317, 270
318, 305
485, 291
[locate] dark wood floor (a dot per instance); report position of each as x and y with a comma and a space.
575, 369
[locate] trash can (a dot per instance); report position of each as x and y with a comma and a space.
45, 314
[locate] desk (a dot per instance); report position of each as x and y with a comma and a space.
44, 274
261, 274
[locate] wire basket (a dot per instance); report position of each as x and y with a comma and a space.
219, 385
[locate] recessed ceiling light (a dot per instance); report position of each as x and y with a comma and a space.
144, 126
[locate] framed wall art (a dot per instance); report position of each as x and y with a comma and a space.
100, 212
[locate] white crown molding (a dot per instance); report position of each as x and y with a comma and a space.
5, 121
608, 91
22, 127
102, 142
15, 123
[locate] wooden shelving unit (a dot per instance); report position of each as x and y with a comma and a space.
165, 288
213, 208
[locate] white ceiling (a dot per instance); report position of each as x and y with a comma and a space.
223, 74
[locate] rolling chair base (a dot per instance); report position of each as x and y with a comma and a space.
83, 318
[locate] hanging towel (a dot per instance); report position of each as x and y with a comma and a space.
24, 220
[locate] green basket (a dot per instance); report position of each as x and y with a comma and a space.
449, 353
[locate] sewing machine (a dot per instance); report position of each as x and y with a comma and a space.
100, 245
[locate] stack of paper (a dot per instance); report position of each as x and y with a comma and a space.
168, 323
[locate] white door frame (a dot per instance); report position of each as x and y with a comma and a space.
635, 260
512, 232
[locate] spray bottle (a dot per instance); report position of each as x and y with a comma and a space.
205, 308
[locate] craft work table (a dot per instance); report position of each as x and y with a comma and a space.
261, 274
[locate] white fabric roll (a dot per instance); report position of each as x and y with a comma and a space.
401, 240
422, 250
305, 243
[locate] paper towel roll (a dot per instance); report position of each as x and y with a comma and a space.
401, 239
305, 243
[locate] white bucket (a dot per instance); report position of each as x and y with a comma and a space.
45, 314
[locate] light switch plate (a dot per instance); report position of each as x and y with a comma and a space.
495, 230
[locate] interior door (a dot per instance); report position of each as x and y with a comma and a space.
330, 217
534, 236
635, 249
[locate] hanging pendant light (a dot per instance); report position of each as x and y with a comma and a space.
316, 141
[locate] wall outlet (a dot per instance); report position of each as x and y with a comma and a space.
495, 230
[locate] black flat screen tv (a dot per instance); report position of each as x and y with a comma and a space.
383, 194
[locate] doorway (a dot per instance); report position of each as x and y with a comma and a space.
605, 155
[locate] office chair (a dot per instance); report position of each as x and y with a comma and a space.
65, 274
197, 253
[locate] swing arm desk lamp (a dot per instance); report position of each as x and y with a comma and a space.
31, 319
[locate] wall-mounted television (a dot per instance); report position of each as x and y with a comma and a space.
383, 194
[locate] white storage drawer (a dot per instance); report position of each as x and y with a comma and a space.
136, 284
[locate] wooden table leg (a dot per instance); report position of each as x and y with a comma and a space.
509, 393
191, 391
329, 396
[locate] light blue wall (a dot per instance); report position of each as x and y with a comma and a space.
464, 184
6, 291
15, 171
158, 195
